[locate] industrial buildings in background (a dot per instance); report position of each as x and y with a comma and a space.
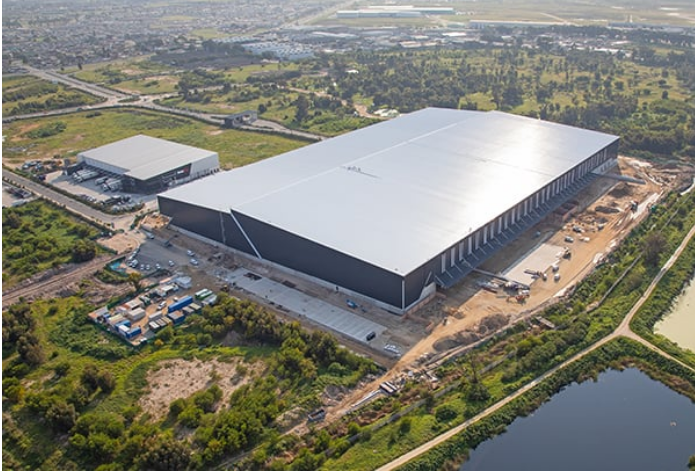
397, 209
143, 164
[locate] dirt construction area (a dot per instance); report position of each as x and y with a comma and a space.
542, 265
549, 258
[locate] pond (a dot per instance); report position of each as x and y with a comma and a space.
679, 325
625, 420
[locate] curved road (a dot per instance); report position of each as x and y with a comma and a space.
114, 99
622, 330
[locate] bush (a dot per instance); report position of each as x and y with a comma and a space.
445, 413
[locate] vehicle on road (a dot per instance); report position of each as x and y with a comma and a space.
194, 262
190, 253
171, 263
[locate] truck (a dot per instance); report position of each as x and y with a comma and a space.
112, 184
84, 175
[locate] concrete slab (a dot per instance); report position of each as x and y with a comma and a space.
540, 259
346, 322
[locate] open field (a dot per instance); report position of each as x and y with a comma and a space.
23, 94
90, 129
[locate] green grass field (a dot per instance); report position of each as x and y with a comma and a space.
136, 76
235, 148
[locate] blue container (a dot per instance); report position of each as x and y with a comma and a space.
134, 332
180, 304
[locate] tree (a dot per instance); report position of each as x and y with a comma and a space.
477, 392
106, 381
654, 245
445, 413
405, 425
302, 105
61, 416
30, 350
163, 453
134, 279
83, 251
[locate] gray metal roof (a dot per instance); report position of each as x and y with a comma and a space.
144, 157
398, 193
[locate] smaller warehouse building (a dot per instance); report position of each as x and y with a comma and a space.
148, 165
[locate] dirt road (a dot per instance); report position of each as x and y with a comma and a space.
56, 282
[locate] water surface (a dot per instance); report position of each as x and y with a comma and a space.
679, 324
624, 421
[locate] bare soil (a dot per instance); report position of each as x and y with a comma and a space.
175, 379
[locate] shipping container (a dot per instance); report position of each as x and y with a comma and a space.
156, 316
202, 294
176, 317
134, 332
114, 320
180, 304
136, 314
124, 322
196, 307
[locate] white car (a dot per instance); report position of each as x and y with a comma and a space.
194, 262
190, 253
171, 263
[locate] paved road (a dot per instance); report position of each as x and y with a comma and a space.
70, 204
114, 99
90, 88
622, 330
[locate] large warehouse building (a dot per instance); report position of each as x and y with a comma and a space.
396, 209
147, 164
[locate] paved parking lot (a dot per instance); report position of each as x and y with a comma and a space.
344, 321
90, 190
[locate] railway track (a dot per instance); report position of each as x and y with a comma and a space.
56, 282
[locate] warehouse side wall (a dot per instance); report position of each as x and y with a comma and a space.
322, 262
199, 220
